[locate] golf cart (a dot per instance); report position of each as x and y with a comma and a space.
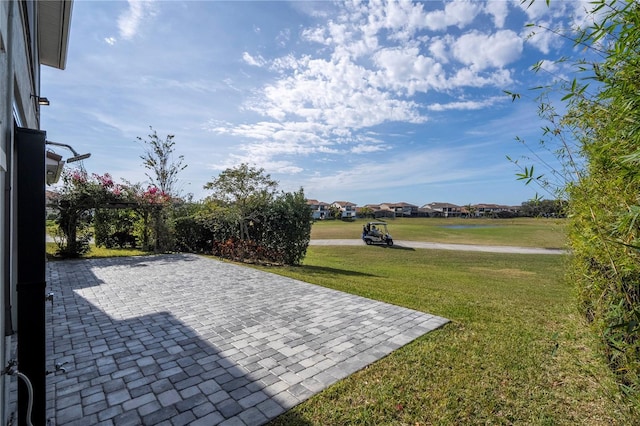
376, 233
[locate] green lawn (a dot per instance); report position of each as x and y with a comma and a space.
516, 351
97, 252
525, 232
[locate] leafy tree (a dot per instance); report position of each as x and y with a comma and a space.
543, 208
248, 220
243, 186
245, 190
366, 212
156, 200
159, 159
335, 212
471, 209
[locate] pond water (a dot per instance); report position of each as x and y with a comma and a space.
467, 226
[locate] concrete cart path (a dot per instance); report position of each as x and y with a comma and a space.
183, 339
443, 246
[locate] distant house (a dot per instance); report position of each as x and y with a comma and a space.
347, 209
319, 209
492, 210
51, 198
445, 209
367, 211
428, 212
401, 209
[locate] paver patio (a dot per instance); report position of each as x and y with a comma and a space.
183, 339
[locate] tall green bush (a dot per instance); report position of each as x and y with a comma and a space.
249, 220
599, 151
288, 226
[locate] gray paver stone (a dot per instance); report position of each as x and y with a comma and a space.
118, 397
253, 416
229, 407
173, 346
183, 419
132, 404
68, 414
208, 420
128, 418
158, 416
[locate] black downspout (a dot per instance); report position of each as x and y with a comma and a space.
31, 224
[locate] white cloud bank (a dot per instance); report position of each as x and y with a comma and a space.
375, 63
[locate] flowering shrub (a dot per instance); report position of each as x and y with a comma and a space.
76, 201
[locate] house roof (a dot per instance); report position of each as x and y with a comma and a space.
344, 203
54, 21
436, 205
400, 204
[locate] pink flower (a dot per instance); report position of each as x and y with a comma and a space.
78, 177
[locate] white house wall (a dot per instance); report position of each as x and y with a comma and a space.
19, 79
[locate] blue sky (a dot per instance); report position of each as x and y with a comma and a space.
366, 102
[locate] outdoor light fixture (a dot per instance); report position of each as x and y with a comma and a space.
54, 162
53, 167
41, 100
76, 156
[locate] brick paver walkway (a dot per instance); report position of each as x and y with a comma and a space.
182, 339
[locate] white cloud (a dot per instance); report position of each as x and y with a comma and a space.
482, 51
370, 62
583, 15
466, 105
251, 60
424, 167
110, 40
535, 10
542, 38
469, 77
439, 48
366, 148
283, 37
457, 13
130, 21
405, 70
498, 10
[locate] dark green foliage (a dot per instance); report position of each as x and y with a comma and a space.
288, 226
192, 235
248, 221
114, 228
605, 200
601, 179
543, 208
280, 231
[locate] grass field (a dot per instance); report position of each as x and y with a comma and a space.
97, 252
516, 351
525, 232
